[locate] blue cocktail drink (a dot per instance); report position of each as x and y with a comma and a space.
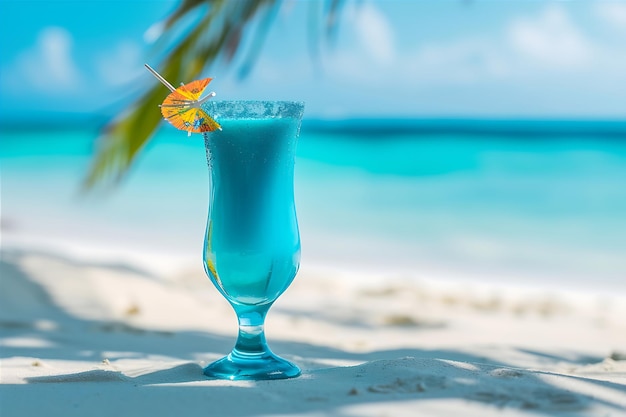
252, 244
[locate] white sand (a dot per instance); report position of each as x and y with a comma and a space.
87, 338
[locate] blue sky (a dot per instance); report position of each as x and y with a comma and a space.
438, 58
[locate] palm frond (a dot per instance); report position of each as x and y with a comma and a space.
216, 34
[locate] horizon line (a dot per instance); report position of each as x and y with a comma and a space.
364, 125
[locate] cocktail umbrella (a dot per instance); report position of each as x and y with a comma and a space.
182, 107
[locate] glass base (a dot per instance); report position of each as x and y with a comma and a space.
235, 367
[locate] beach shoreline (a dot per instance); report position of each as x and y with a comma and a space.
83, 332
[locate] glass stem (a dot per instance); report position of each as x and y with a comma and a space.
251, 338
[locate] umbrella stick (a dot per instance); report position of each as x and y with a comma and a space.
158, 77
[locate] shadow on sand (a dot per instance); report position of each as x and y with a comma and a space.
178, 385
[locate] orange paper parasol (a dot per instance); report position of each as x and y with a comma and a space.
182, 106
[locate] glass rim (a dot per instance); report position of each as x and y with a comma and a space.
253, 109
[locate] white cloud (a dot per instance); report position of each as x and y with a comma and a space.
550, 40
612, 12
48, 66
154, 32
543, 61
121, 64
543, 45
528, 47
374, 32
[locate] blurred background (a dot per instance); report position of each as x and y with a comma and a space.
452, 140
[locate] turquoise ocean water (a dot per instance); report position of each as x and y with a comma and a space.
538, 203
